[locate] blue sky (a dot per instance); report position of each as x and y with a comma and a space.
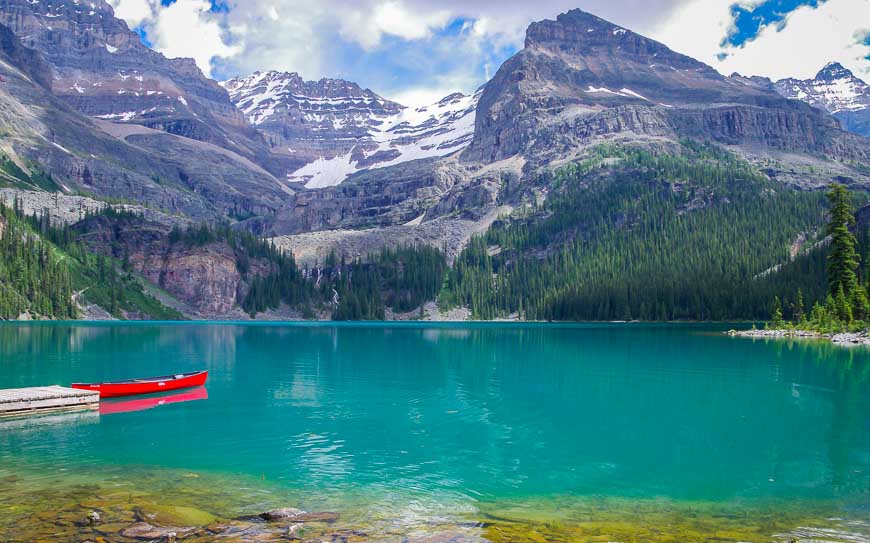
749, 20
418, 50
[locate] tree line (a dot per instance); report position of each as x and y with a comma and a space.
632, 234
627, 233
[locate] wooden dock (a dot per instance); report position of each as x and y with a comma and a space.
50, 399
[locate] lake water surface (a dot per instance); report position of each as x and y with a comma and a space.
483, 432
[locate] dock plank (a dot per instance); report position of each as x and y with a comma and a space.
15, 401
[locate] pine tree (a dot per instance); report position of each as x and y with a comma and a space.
776, 321
859, 303
818, 315
799, 315
841, 303
843, 258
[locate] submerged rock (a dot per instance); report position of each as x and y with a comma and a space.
282, 513
147, 532
175, 515
93, 518
298, 515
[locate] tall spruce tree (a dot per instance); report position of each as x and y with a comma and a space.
843, 259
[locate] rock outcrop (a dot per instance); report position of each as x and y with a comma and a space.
205, 278
291, 514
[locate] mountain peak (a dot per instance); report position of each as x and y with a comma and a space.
575, 26
578, 36
834, 89
833, 71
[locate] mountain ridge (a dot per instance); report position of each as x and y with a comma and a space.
338, 128
330, 168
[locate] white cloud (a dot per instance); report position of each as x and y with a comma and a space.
288, 35
807, 39
347, 38
187, 28
811, 38
134, 12
368, 25
316, 37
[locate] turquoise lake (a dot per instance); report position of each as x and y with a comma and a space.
420, 421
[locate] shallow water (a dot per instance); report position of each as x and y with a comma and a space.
650, 432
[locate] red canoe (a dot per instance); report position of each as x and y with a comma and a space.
150, 385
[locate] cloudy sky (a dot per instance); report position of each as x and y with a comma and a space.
416, 51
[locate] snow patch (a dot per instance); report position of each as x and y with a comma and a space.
628, 93
126, 116
325, 172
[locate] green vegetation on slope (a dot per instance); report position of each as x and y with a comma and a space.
13, 176
402, 279
628, 234
33, 277
42, 266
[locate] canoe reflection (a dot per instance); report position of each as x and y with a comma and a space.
112, 407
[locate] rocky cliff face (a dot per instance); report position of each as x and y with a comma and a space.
103, 70
204, 278
28, 60
112, 156
835, 90
580, 77
41, 130
334, 128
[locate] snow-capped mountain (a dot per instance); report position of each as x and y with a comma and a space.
272, 97
336, 128
836, 90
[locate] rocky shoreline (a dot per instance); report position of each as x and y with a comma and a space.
176, 507
843, 338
